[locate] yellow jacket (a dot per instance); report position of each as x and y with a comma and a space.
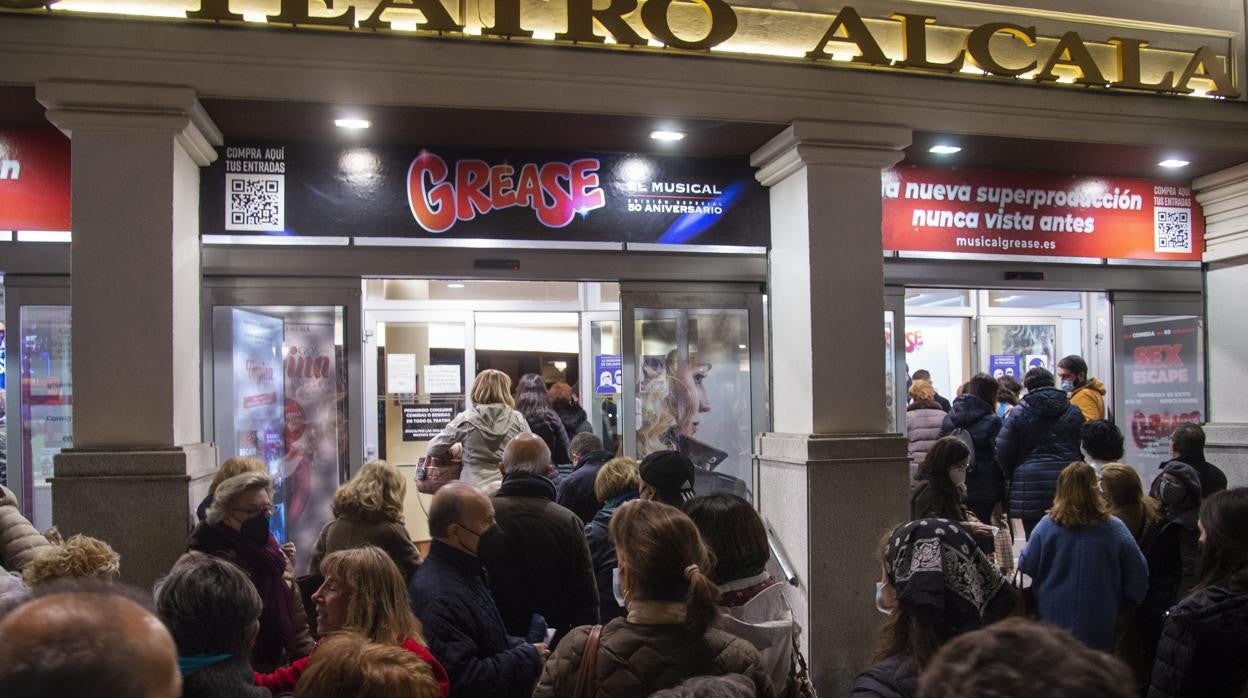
1090, 399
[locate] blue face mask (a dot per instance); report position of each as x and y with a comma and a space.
1068, 386
615, 587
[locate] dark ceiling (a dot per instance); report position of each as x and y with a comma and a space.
516, 130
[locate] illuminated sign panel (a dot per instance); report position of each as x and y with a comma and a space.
902, 41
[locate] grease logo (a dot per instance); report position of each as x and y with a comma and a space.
556, 191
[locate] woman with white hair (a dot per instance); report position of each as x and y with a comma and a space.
236, 528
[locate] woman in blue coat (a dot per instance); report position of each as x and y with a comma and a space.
1039, 439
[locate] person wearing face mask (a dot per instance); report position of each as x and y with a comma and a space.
1088, 394
935, 584
617, 482
543, 565
1174, 552
668, 634
939, 492
236, 528
450, 597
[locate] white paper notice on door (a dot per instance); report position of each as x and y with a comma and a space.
401, 374
442, 378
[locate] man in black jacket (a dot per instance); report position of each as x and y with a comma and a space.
542, 565
1187, 445
576, 490
455, 608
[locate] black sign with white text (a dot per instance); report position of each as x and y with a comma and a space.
325, 190
423, 422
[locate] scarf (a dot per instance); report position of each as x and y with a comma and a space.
936, 563
193, 663
266, 566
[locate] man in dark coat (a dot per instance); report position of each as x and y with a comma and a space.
1039, 439
1187, 445
211, 608
576, 490
542, 564
450, 597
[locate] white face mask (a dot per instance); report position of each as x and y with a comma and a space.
615, 587
879, 600
958, 476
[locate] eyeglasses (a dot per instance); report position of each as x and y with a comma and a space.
266, 510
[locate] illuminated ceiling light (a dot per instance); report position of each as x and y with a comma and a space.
456, 285
944, 149
258, 17
668, 136
353, 123
1173, 163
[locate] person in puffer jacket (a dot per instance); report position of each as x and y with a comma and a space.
1038, 440
974, 411
924, 417
20, 543
1205, 637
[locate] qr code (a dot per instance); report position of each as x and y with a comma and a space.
1172, 230
255, 202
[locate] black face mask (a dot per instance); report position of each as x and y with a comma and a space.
490, 544
1172, 494
256, 529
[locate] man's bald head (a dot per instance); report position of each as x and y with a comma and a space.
527, 453
87, 644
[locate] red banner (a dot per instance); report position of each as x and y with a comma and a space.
34, 179
1021, 213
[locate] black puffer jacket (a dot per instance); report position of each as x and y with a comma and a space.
1039, 438
574, 419
985, 483
547, 425
1202, 648
895, 677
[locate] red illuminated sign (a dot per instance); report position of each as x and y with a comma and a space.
34, 179
983, 212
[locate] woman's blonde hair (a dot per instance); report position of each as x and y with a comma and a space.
231, 489
378, 605
922, 390
80, 557
347, 664
667, 408
235, 466
491, 387
1078, 502
377, 490
615, 477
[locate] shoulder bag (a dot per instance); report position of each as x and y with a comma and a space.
587, 675
432, 473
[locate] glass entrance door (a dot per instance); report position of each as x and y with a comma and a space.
693, 379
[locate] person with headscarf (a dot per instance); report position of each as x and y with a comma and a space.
935, 585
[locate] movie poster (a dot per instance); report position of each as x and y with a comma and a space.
1163, 385
310, 466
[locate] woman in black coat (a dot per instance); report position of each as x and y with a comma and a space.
1205, 638
533, 402
974, 412
1039, 439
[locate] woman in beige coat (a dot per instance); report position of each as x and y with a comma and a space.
19, 541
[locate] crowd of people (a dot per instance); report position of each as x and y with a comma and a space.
614, 578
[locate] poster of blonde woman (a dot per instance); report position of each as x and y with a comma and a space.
693, 393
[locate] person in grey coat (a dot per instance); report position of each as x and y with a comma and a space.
212, 610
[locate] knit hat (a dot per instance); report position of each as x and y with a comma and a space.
670, 473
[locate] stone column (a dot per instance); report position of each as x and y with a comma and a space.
136, 151
832, 481
1224, 196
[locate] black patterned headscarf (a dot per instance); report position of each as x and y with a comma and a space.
935, 563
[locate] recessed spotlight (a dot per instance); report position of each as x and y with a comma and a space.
944, 149
454, 285
1173, 163
670, 136
353, 123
